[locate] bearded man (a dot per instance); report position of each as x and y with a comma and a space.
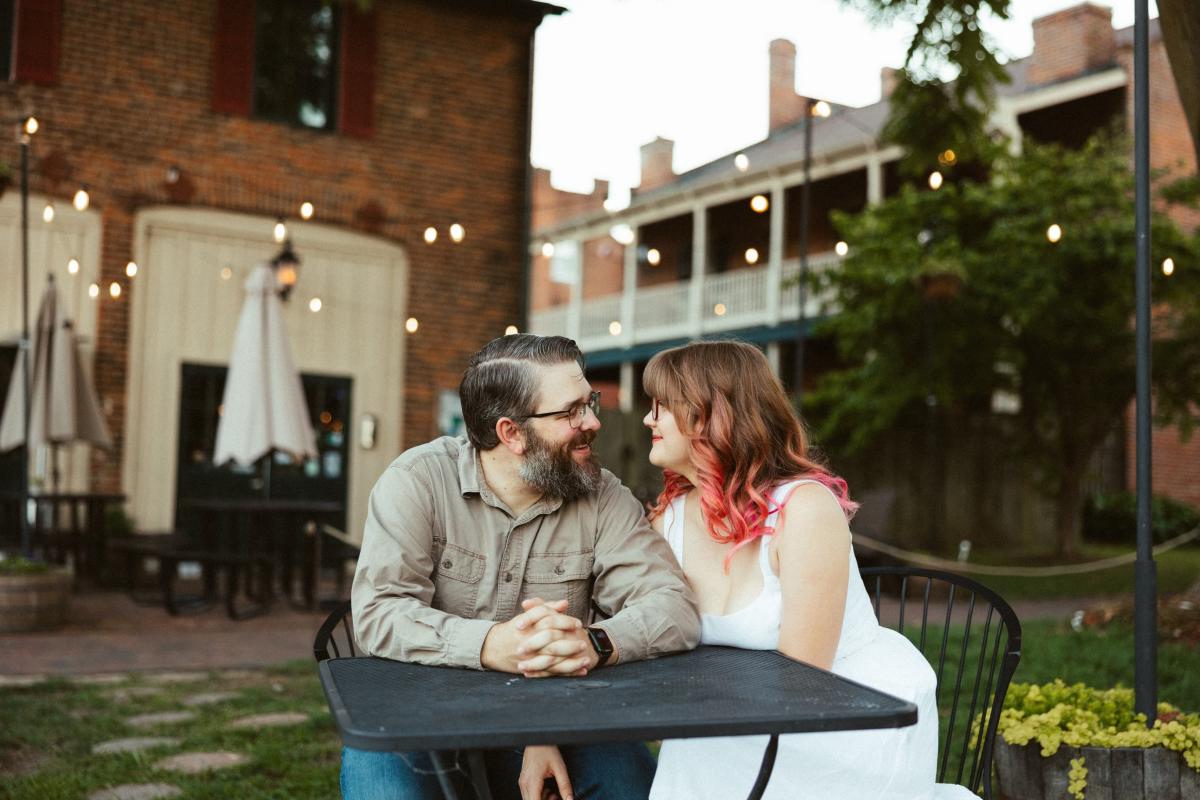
493, 550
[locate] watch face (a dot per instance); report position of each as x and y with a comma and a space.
600, 641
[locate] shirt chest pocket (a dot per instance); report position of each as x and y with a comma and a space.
560, 576
456, 580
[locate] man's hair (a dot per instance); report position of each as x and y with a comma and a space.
501, 381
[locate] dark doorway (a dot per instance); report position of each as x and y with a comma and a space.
322, 478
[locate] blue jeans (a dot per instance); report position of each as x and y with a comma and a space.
608, 771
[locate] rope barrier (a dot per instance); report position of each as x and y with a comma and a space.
934, 562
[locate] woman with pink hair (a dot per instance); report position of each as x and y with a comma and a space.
761, 529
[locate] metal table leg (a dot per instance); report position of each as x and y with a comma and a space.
479, 775
443, 775
764, 771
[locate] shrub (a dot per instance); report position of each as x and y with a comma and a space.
1112, 517
22, 566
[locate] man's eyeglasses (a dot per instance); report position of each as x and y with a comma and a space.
576, 414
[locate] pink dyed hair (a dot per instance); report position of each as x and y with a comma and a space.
745, 438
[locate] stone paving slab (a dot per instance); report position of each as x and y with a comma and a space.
135, 744
176, 677
127, 693
160, 718
99, 679
207, 698
20, 681
137, 791
276, 720
193, 763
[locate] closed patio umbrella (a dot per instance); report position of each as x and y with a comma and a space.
64, 408
264, 406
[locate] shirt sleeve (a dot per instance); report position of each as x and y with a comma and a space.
638, 582
393, 589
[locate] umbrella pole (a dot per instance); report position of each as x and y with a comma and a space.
1145, 623
26, 545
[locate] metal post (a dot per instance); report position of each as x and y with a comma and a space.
23, 138
798, 380
1145, 628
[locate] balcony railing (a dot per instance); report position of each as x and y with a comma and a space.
727, 301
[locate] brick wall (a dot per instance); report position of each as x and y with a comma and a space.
452, 93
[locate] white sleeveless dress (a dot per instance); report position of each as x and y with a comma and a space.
890, 764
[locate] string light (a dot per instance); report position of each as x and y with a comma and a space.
73, 266
457, 233
1054, 233
306, 210
821, 109
759, 203
48, 213
548, 249
719, 309
1168, 266
653, 257
947, 157
935, 180
751, 255
93, 291
430, 235
82, 199
411, 324
742, 162
511, 330
314, 305
31, 126
114, 290
841, 248
131, 269
622, 233
226, 273
280, 230
614, 328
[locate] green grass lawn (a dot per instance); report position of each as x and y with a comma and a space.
50, 728
1176, 570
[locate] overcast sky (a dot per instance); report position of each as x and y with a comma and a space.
610, 75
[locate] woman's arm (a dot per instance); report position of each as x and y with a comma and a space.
814, 571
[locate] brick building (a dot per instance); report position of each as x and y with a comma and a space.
196, 126
710, 251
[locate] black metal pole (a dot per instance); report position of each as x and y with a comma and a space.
804, 203
1145, 628
26, 545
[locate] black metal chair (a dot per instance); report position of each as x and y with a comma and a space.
973, 644
335, 637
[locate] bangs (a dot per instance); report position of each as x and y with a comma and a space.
662, 379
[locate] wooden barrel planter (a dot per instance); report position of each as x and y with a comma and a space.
34, 602
1118, 773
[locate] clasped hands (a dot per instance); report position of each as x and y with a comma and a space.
542, 641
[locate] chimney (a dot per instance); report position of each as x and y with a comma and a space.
1071, 42
786, 106
658, 167
888, 78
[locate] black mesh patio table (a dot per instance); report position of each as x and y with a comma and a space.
387, 705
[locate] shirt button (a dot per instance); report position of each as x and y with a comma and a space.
508, 577
558, 570
447, 564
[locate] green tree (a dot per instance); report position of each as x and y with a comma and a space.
949, 296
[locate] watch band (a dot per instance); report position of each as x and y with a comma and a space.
601, 644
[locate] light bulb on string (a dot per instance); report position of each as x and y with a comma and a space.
935, 180
511, 330
1054, 233
131, 269
653, 257
306, 210
821, 109
411, 325
314, 305
841, 248
48, 213
1168, 266
548, 249
751, 255
457, 233
759, 203
31, 126
73, 266
93, 291
82, 199
742, 162
114, 290
430, 235
280, 231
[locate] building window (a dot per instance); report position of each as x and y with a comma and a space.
295, 63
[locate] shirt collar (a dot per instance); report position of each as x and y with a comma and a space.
470, 481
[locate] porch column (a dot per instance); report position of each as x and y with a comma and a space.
629, 287
775, 256
699, 267
626, 393
874, 180
773, 357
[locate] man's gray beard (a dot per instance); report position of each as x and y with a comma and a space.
554, 471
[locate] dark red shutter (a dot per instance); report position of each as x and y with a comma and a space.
233, 57
356, 90
38, 40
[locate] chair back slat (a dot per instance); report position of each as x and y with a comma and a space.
326, 644
973, 656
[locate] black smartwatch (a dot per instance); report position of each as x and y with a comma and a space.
601, 644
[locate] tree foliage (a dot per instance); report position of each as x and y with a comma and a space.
1049, 322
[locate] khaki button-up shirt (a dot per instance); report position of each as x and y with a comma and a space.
443, 560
